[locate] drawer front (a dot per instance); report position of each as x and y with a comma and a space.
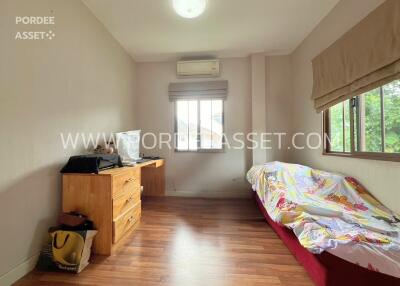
126, 222
125, 201
126, 181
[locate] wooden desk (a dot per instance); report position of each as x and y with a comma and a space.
153, 179
111, 199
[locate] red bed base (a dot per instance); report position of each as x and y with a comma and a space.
326, 269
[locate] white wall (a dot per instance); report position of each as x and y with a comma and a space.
258, 101
258, 104
278, 106
82, 80
198, 174
381, 178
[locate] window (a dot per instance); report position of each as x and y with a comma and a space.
199, 125
366, 126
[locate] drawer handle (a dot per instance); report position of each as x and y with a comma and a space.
129, 180
130, 219
129, 199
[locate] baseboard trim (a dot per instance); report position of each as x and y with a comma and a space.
208, 194
19, 271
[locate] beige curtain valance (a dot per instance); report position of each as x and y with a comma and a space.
200, 89
365, 57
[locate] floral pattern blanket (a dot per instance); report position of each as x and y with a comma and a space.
325, 210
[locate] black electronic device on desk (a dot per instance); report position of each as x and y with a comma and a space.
93, 163
147, 158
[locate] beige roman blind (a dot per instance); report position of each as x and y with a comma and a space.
364, 58
199, 89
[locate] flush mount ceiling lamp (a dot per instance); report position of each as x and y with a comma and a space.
189, 8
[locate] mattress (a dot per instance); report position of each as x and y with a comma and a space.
332, 213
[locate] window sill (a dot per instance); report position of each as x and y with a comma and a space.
366, 155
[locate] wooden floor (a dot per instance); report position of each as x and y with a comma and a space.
192, 242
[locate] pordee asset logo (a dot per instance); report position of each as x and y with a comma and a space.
34, 35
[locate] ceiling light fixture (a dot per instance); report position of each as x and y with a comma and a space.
189, 8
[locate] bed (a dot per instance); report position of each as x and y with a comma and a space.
335, 228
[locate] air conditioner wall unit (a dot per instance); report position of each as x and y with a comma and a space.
198, 68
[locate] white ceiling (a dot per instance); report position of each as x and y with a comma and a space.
151, 31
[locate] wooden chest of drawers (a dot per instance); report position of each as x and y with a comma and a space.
111, 199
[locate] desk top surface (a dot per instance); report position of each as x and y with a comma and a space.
115, 171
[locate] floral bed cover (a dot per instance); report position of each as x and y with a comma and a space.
330, 212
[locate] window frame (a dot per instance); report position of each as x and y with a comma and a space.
394, 157
199, 149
